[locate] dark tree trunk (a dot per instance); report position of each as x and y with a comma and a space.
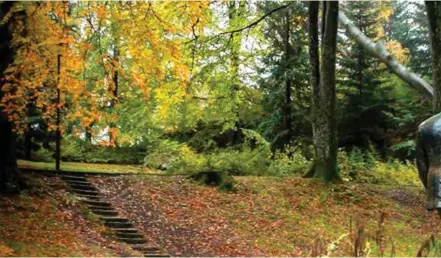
288, 91
434, 15
28, 144
323, 90
114, 90
236, 11
9, 173
58, 132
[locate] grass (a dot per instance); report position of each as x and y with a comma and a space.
86, 167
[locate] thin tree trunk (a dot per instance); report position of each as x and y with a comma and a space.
236, 12
288, 91
323, 91
379, 51
115, 79
434, 15
314, 70
28, 144
58, 132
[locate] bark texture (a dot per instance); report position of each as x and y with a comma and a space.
434, 15
322, 82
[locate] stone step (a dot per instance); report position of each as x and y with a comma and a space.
125, 230
114, 219
74, 178
90, 197
157, 251
133, 240
155, 255
110, 212
86, 187
145, 248
111, 224
68, 181
86, 192
99, 208
99, 204
129, 235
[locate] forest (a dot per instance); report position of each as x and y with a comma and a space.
220, 128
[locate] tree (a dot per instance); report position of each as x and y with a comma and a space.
434, 16
364, 100
409, 26
285, 91
379, 51
9, 173
322, 72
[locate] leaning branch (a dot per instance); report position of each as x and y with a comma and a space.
379, 50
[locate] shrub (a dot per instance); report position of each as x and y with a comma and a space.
77, 150
289, 161
43, 155
364, 167
173, 156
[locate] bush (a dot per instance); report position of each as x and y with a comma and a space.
252, 157
43, 155
77, 150
364, 167
289, 161
174, 157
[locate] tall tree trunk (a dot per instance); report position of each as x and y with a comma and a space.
236, 11
58, 122
323, 90
28, 144
9, 173
288, 91
434, 15
115, 79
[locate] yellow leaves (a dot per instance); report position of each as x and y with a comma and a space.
149, 37
5, 250
398, 51
101, 11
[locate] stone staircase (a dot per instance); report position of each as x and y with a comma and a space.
123, 228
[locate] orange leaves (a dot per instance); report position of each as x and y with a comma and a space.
398, 51
147, 37
5, 250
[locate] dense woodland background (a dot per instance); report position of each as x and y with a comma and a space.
195, 86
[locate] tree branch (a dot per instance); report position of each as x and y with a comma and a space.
249, 26
379, 50
254, 23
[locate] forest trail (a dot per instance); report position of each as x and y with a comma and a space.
123, 228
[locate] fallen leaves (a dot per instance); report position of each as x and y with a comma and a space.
50, 225
266, 217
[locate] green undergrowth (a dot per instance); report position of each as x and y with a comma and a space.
86, 167
77, 150
254, 158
